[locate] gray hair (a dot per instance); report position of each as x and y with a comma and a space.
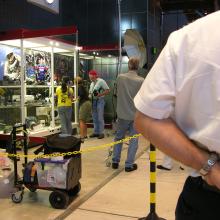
133, 63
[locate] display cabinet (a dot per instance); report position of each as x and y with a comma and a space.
105, 60
32, 64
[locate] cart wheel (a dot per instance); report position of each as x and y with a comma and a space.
59, 199
75, 190
108, 163
17, 197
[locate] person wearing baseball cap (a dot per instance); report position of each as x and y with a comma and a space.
97, 91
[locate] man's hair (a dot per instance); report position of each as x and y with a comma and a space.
133, 63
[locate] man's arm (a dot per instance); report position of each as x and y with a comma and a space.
105, 92
166, 135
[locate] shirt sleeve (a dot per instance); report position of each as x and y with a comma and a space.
156, 96
91, 88
104, 85
71, 91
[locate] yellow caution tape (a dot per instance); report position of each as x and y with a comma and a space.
90, 149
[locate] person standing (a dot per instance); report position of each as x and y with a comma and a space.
167, 163
85, 108
64, 97
178, 111
97, 91
127, 86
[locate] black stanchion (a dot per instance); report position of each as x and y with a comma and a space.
152, 215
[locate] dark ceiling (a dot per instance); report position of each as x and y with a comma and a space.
192, 8
167, 5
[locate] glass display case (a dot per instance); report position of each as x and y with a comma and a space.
32, 64
105, 60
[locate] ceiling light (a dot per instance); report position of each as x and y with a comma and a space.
49, 1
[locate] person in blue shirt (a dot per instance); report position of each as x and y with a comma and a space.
97, 91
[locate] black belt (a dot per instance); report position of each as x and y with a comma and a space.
202, 183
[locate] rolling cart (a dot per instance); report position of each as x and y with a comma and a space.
59, 176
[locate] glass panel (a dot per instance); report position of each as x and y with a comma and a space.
10, 84
37, 67
38, 103
63, 66
47, 61
10, 63
10, 110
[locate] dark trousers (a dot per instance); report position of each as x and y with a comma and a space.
198, 201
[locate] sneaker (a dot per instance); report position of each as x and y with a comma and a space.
94, 135
101, 136
114, 165
162, 168
130, 169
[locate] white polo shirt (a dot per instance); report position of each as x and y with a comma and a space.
99, 85
184, 83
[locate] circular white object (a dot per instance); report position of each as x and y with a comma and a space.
49, 1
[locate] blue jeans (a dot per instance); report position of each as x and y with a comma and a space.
122, 127
65, 114
98, 115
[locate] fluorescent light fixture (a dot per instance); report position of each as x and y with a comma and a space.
40, 43
82, 54
87, 57
78, 48
55, 49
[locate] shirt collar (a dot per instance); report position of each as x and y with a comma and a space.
132, 72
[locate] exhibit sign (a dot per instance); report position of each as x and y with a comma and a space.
50, 5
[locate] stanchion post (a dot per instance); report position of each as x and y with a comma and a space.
152, 215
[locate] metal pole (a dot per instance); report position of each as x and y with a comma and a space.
25, 143
15, 159
152, 215
23, 84
52, 88
76, 73
119, 37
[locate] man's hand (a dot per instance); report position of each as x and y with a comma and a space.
213, 176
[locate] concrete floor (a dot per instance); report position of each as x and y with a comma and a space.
126, 196
95, 174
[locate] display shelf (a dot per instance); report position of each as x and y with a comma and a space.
10, 86
49, 130
9, 106
33, 63
38, 86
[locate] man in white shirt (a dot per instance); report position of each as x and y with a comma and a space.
97, 91
179, 111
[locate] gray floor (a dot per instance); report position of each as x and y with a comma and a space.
126, 196
94, 176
